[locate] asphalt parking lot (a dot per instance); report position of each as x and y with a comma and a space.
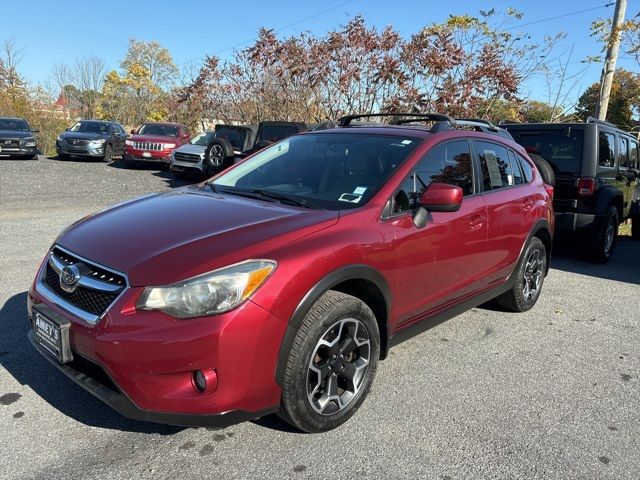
552, 393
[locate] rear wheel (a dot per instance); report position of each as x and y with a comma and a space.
331, 364
528, 278
600, 244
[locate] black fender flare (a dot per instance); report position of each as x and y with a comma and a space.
605, 199
349, 272
540, 225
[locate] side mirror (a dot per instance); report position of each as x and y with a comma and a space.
67, 129
35, 131
437, 197
133, 131
186, 136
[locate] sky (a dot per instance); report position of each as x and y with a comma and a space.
52, 32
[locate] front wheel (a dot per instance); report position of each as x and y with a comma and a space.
108, 154
528, 278
331, 365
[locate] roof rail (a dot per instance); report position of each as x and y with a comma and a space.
436, 117
477, 122
601, 122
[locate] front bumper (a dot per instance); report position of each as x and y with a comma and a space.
187, 167
133, 155
21, 151
79, 150
145, 361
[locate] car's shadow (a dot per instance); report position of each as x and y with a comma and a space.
21, 360
624, 265
158, 171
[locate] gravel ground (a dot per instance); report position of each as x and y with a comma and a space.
552, 393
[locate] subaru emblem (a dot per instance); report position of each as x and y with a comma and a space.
69, 278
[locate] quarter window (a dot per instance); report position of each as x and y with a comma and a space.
515, 171
495, 166
448, 162
606, 146
634, 162
624, 153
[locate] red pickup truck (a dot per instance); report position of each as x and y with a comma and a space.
154, 142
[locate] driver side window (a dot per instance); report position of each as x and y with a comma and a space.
447, 162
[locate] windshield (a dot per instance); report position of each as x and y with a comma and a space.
235, 136
90, 127
333, 171
202, 139
562, 148
159, 129
14, 124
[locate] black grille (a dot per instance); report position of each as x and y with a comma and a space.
10, 143
77, 142
186, 157
90, 300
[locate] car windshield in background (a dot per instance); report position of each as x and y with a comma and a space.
273, 133
562, 148
333, 171
90, 127
13, 124
235, 136
202, 139
160, 130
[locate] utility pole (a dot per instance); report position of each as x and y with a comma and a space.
610, 61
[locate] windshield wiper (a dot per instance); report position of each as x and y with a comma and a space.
281, 197
212, 186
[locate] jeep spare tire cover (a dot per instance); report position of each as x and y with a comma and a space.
545, 169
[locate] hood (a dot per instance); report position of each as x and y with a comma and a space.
84, 135
154, 139
15, 134
164, 238
192, 149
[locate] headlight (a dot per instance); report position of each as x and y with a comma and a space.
129, 143
168, 145
60, 138
29, 142
97, 142
209, 294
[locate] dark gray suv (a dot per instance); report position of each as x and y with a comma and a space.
16, 139
596, 168
92, 138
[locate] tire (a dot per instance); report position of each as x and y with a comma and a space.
545, 169
635, 228
108, 154
338, 339
218, 156
529, 278
598, 246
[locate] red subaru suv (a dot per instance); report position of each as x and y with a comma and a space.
279, 284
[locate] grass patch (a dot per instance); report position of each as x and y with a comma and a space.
625, 229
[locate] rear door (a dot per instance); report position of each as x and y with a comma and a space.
510, 205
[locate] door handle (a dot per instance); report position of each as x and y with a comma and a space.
477, 221
527, 204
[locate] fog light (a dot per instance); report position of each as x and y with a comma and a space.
205, 380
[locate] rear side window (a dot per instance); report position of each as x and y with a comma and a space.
448, 162
624, 153
606, 149
495, 166
515, 170
235, 136
562, 147
527, 171
633, 155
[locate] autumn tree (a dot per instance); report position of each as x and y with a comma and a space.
81, 83
624, 101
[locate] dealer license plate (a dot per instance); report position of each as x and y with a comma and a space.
53, 335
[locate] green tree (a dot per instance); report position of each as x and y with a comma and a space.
624, 102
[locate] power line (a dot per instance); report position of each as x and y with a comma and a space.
275, 30
577, 12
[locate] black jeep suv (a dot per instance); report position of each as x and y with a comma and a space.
596, 187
